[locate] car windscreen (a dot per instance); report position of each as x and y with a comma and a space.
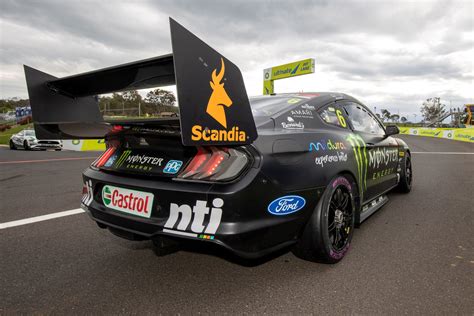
270, 105
29, 133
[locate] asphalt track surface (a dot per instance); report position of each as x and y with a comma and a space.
414, 256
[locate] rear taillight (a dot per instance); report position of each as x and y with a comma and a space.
215, 164
99, 162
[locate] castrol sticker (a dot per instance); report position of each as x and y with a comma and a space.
128, 201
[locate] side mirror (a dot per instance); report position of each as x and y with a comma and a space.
391, 130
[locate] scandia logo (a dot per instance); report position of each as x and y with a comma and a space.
219, 97
215, 108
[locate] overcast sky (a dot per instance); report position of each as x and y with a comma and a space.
389, 54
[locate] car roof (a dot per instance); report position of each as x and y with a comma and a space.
318, 98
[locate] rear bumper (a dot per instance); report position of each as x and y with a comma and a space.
245, 227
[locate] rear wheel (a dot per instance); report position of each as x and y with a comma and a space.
12, 145
328, 234
406, 175
26, 146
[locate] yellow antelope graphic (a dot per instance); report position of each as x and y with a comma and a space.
219, 97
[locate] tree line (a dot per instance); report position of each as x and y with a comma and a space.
129, 103
159, 101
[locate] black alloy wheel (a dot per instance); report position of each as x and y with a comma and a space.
327, 235
340, 216
408, 171
406, 175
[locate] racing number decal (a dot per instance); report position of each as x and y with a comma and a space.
341, 119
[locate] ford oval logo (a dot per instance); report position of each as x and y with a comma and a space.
286, 205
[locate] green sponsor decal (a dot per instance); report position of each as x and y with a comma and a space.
122, 158
106, 195
360, 154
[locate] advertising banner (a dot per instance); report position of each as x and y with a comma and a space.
461, 134
297, 68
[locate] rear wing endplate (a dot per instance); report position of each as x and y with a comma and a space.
213, 103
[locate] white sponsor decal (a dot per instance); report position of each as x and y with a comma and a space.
322, 160
129, 201
382, 156
144, 159
302, 113
308, 107
194, 216
298, 125
292, 124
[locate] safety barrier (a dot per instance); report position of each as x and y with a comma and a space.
461, 134
84, 145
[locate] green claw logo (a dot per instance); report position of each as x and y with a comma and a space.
122, 158
360, 154
107, 196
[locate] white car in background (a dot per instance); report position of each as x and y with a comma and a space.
27, 140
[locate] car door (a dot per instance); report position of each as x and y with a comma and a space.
379, 153
17, 138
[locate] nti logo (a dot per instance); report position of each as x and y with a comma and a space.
215, 108
128, 201
196, 217
172, 166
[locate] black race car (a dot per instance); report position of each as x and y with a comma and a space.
251, 175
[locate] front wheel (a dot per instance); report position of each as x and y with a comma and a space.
26, 146
406, 175
328, 233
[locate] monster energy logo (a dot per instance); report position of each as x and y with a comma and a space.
360, 154
122, 158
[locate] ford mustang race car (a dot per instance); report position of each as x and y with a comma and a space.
251, 175
27, 140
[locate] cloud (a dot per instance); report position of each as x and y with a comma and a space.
389, 54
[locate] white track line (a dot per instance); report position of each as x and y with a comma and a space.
441, 153
40, 218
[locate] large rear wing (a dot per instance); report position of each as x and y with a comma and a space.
213, 103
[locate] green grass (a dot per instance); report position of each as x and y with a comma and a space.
5, 136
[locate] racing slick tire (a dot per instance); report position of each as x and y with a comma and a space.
12, 145
26, 146
328, 233
406, 175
